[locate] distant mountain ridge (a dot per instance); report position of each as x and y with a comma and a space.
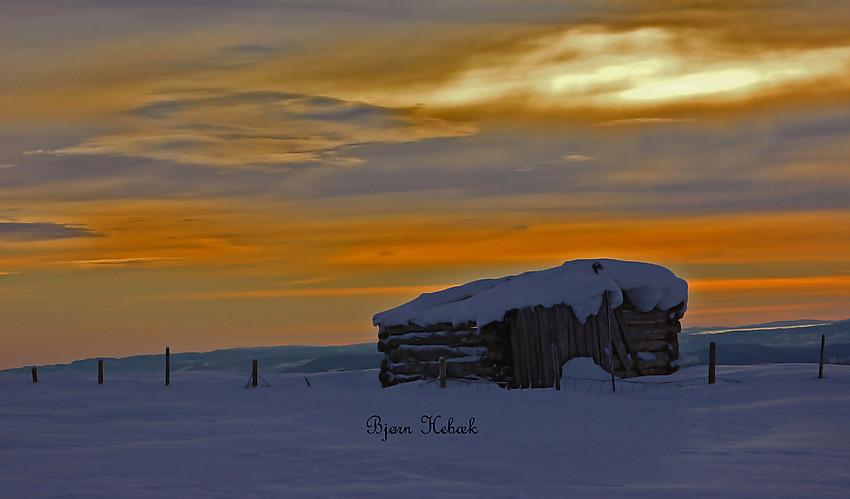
281, 359
785, 341
789, 334
744, 354
750, 327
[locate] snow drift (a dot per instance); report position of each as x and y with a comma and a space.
578, 284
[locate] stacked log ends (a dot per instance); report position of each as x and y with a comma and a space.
412, 352
653, 338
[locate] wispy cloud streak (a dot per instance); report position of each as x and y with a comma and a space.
40, 231
310, 292
232, 129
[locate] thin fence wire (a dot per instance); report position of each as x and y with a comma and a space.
591, 385
478, 384
630, 386
260, 381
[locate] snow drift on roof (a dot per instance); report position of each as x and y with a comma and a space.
578, 284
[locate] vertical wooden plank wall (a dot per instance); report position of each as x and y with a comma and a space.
534, 330
545, 336
517, 352
532, 333
604, 334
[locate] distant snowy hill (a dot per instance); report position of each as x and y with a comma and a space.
779, 334
789, 341
282, 359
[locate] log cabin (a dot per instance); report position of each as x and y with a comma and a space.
519, 330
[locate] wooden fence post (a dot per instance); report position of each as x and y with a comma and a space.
100, 372
822, 344
442, 372
712, 361
34, 375
167, 366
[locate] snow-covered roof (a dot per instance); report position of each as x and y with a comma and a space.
578, 284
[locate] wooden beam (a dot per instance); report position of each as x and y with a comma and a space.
572, 348
578, 330
634, 315
528, 370
545, 346
625, 333
432, 353
620, 350
560, 333
652, 345
454, 369
539, 348
467, 338
605, 331
556, 371
526, 351
530, 325
430, 328
650, 332
594, 336
516, 349
588, 338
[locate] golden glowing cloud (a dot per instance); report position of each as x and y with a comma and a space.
597, 67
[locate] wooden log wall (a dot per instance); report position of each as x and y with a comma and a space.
654, 332
533, 331
412, 352
519, 349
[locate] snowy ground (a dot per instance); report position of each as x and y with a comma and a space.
780, 432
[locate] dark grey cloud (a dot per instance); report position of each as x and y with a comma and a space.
771, 162
159, 110
48, 178
776, 162
805, 129
282, 105
40, 231
267, 129
247, 49
470, 11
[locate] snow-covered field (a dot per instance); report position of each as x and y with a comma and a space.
779, 432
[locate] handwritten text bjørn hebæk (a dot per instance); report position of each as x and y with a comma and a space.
430, 425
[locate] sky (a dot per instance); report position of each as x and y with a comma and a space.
211, 174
